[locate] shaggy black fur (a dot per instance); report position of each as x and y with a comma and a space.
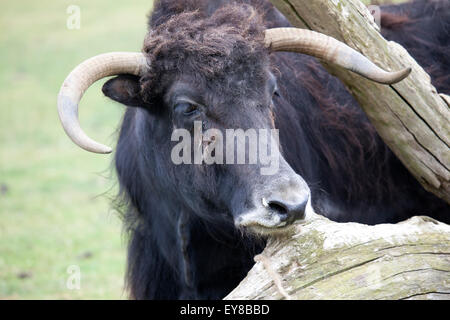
424, 28
183, 243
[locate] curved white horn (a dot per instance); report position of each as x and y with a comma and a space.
81, 78
330, 50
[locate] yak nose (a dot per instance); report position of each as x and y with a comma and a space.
288, 210
283, 202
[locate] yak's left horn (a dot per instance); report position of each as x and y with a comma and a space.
81, 78
329, 50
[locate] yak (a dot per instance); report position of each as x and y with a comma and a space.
195, 228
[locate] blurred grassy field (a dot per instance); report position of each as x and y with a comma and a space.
53, 212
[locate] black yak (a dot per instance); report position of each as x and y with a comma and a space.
194, 229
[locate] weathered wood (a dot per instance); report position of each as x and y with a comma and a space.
327, 260
411, 117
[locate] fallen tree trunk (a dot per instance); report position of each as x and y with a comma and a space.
327, 260
411, 117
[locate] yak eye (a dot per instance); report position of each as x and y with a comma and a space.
276, 93
273, 86
186, 108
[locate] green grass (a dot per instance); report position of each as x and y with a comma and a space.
53, 212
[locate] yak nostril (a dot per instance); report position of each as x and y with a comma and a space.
288, 211
280, 209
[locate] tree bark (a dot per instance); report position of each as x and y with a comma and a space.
411, 117
327, 260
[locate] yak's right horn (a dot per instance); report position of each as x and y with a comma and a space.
81, 78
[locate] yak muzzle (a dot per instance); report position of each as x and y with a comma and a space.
276, 209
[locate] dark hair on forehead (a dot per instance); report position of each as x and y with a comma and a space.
230, 41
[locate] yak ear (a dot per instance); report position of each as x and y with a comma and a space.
125, 89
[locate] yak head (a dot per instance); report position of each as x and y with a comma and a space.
203, 126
